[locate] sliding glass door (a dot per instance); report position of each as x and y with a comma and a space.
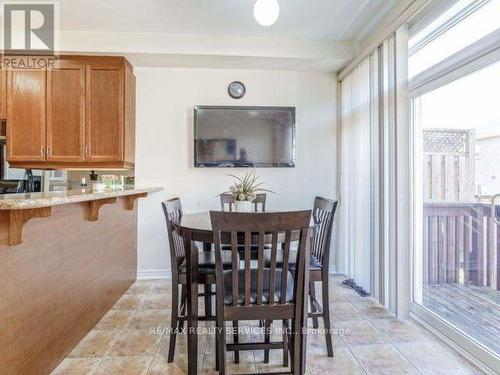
455, 88
457, 158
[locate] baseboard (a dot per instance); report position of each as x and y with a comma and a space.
153, 274
165, 274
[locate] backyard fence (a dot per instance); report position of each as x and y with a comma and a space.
448, 165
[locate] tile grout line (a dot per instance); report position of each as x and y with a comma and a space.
408, 359
162, 336
391, 342
154, 356
354, 356
115, 337
118, 334
369, 321
345, 343
159, 345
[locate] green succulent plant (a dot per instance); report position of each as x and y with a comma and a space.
247, 187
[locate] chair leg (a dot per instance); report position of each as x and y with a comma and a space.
294, 365
173, 321
222, 348
285, 343
267, 338
236, 340
183, 308
208, 300
216, 348
326, 316
312, 295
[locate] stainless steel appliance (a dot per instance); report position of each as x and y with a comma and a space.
15, 180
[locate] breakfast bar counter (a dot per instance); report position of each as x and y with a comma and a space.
17, 209
55, 198
65, 259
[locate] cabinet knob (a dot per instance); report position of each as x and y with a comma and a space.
42, 152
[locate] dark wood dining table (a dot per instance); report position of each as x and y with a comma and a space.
198, 228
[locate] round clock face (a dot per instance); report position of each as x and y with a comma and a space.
236, 90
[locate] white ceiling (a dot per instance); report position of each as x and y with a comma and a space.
310, 19
318, 35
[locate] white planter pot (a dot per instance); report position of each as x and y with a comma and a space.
243, 206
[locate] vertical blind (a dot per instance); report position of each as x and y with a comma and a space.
368, 172
355, 172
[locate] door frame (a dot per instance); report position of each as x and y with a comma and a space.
479, 55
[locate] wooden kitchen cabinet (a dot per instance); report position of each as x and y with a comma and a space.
26, 115
66, 113
85, 114
105, 115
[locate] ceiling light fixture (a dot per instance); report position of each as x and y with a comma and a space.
266, 12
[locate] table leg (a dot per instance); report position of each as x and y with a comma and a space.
305, 306
192, 302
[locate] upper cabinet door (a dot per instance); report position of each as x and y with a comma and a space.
105, 115
26, 114
66, 112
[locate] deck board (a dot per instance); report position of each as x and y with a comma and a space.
486, 307
474, 310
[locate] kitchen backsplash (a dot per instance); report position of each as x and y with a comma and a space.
73, 178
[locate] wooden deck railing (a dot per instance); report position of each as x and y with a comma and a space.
461, 244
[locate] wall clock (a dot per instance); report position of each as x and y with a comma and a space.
236, 90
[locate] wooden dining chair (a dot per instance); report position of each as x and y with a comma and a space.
226, 200
258, 202
323, 214
319, 268
260, 199
263, 293
206, 263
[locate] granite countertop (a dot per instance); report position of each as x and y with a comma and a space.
38, 200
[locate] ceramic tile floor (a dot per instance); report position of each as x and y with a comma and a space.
373, 342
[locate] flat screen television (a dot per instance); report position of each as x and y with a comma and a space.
244, 136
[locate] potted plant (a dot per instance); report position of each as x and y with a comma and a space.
244, 190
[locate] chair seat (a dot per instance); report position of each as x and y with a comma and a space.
228, 285
206, 262
314, 263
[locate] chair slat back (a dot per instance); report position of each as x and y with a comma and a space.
226, 199
260, 199
323, 214
258, 287
173, 213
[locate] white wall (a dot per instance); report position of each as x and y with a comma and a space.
164, 144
